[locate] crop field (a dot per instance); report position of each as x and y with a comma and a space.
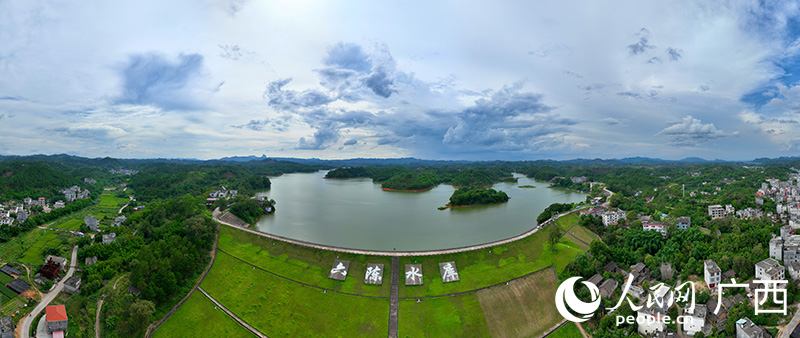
5, 279
199, 317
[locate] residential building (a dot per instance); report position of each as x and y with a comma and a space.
109, 238
612, 217
716, 211
776, 248
770, 269
684, 223
6, 327
607, 287
82, 195
655, 226
597, 279
92, 222
119, 220
60, 261
745, 328
791, 250
794, 271
59, 204
579, 179
712, 273
651, 320
56, 318
73, 284
90, 181
69, 196
696, 319
22, 215
27, 200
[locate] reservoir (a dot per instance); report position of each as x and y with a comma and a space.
356, 213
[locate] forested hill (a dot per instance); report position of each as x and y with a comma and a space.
20, 179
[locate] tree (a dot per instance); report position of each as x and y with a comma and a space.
140, 312
554, 236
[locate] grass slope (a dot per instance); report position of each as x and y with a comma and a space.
304, 264
457, 316
281, 308
524, 308
568, 330
199, 318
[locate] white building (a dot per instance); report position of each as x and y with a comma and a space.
791, 250
660, 227
770, 269
651, 320
712, 273
612, 217
696, 319
776, 248
716, 211
91, 222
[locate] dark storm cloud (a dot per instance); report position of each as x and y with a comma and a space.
284, 99
325, 136
151, 79
349, 68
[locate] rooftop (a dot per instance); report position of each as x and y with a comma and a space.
56, 313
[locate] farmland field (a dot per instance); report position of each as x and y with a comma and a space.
568, 330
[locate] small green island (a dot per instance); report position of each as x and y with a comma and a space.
527, 186
474, 196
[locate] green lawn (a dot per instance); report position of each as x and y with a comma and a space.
568, 220
568, 330
457, 316
281, 308
304, 264
70, 224
197, 317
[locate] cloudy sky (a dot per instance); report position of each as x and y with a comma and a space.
444, 80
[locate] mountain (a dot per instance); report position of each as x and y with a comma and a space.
244, 158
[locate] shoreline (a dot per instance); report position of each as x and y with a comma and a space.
402, 190
448, 206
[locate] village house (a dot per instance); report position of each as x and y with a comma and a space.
109, 238
59, 204
57, 321
696, 319
607, 287
655, 226
769, 269
712, 273
612, 217
6, 327
716, 211
651, 320
745, 328
91, 222
73, 284
684, 223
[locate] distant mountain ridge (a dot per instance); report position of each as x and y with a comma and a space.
109, 162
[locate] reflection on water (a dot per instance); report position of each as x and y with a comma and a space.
355, 213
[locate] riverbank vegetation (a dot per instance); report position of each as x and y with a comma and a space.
247, 209
552, 210
468, 196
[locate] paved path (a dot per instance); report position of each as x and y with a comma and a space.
28, 320
394, 303
787, 331
123, 207
216, 215
583, 332
236, 318
97, 316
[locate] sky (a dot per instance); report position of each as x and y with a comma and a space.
512, 80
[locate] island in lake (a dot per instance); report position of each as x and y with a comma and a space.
527, 186
473, 196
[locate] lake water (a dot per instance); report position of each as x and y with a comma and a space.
356, 213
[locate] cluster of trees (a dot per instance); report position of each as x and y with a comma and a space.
567, 183
33, 179
412, 181
247, 209
174, 180
170, 248
552, 210
477, 195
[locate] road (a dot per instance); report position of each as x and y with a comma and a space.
28, 320
123, 207
787, 331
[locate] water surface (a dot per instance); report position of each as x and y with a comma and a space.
355, 213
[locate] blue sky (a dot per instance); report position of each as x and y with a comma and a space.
442, 80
